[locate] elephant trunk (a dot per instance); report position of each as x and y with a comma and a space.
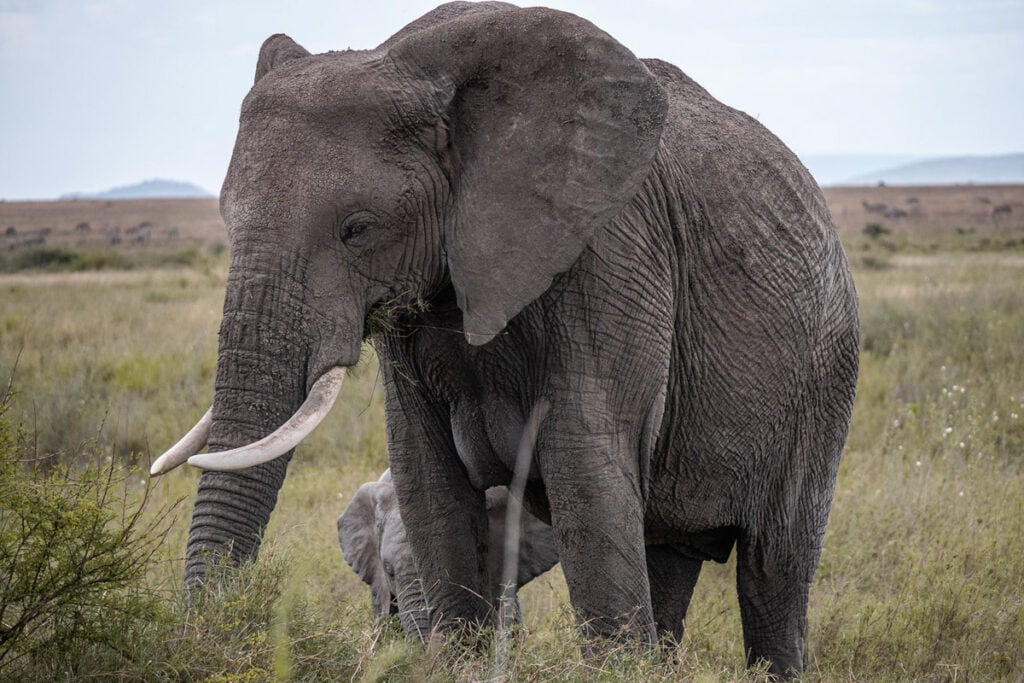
231, 511
261, 381
412, 609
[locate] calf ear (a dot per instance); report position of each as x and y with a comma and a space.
358, 537
537, 549
276, 50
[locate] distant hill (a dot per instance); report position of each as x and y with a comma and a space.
977, 170
834, 169
149, 189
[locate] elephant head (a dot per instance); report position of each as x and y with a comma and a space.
373, 540
472, 156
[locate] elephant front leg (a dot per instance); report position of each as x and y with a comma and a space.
597, 515
444, 516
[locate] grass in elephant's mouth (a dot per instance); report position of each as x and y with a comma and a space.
922, 576
388, 315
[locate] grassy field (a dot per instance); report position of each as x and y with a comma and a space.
923, 570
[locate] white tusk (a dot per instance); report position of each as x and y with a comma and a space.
189, 445
312, 411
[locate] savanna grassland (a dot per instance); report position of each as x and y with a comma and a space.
111, 346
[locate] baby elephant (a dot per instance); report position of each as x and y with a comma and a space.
372, 538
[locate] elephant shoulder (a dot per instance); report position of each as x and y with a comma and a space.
735, 163
709, 134
673, 79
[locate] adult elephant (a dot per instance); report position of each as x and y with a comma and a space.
586, 229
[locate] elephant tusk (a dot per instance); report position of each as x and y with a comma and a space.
189, 445
286, 437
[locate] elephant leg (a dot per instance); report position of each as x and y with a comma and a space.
773, 592
447, 527
672, 577
445, 517
775, 565
597, 517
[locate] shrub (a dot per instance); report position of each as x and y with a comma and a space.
876, 230
43, 257
74, 549
63, 259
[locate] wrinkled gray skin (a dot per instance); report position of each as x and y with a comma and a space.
374, 542
587, 228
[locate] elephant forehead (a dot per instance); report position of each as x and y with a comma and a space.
326, 124
281, 167
326, 87
281, 144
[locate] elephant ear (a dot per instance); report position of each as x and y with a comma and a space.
358, 537
549, 126
537, 549
276, 50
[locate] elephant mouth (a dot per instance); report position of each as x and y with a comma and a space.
311, 413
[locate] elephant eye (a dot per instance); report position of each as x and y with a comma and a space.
354, 225
389, 569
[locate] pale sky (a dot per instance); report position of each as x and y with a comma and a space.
101, 93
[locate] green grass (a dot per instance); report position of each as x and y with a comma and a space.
922, 576
876, 246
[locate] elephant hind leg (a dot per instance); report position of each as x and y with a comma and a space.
672, 577
773, 595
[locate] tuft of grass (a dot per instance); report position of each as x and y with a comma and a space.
246, 624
